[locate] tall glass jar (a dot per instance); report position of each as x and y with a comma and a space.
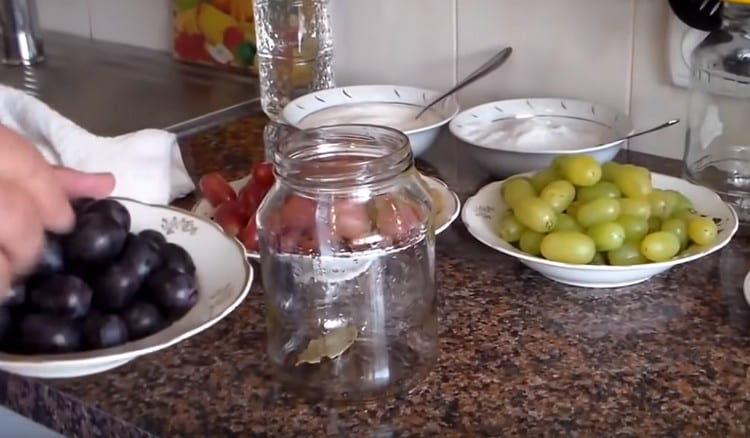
348, 263
717, 146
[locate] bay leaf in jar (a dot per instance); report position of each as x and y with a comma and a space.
331, 345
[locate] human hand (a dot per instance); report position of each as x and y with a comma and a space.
34, 198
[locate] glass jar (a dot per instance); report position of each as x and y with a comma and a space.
717, 146
348, 264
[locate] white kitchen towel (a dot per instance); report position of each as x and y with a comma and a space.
147, 164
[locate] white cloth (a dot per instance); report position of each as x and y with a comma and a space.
147, 164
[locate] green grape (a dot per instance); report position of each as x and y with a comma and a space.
568, 247
540, 179
531, 242
635, 228
660, 246
635, 207
598, 259
602, 189
702, 230
662, 203
558, 194
633, 182
682, 202
581, 170
536, 214
517, 189
607, 236
509, 228
609, 170
598, 211
558, 162
693, 250
654, 224
626, 255
565, 222
678, 227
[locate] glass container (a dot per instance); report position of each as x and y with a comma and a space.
717, 146
348, 264
295, 50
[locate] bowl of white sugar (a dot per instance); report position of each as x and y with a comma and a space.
394, 106
515, 136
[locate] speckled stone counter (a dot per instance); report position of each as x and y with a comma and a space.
520, 354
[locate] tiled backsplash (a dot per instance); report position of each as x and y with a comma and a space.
610, 51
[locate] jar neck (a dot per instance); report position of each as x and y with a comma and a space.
736, 17
342, 157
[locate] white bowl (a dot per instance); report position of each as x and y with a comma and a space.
509, 159
420, 138
224, 278
485, 208
443, 218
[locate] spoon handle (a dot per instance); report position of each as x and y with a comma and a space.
489, 66
655, 128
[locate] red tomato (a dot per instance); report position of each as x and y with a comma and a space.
232, 217
249, 236
262, 174
349, 219
251, 196
216, 189
395, 218
298, 212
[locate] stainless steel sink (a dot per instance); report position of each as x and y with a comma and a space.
112, 89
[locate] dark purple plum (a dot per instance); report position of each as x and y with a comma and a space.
95, 241
115, 287
111, 209
175, 292
61, 295
43, 333
16, 295
175, 257
51, 260
141, 255
103, 331
79, 205
154, 238
142, 319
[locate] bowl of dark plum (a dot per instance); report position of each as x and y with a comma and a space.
128, 280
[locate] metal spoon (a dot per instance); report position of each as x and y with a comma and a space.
489, 66
646, 131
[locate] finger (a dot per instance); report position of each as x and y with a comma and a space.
21, 231
77, 184
26, 166
6, 278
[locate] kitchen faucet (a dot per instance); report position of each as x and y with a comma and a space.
22, 44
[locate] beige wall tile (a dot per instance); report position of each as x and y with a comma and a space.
69, 16
145, 23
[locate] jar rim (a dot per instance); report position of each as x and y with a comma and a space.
342, 156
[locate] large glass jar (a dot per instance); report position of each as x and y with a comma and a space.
348, 264
717, 147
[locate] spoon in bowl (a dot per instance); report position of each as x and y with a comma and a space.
488, 67
649, 130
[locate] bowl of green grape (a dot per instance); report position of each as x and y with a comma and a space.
595, 225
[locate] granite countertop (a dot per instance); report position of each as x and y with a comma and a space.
520, 354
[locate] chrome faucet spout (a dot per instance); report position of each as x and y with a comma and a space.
22, 44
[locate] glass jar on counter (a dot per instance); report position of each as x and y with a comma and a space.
717, 146
348, 263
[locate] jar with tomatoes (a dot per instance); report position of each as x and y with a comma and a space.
348, 261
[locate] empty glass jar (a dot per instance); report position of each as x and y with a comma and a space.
348, 264
717, 146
